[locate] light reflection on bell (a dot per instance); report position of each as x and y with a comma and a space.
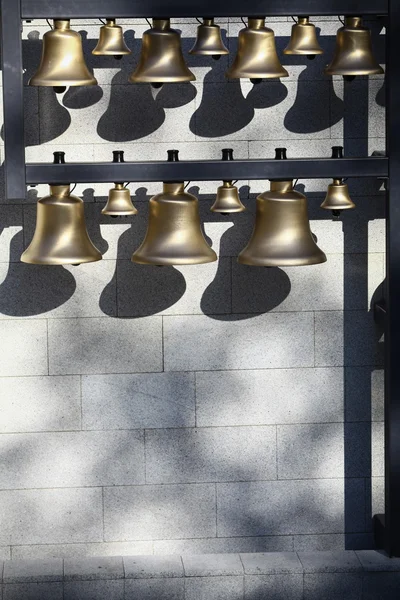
209, 40
61, 237
111, 41
338, 197
63, 63
282, 236
353, 54
174, 235
119, 202
303, 40
161, 59
256, 57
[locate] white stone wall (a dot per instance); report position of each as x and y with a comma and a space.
199, 409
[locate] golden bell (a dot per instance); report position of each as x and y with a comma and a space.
174, 235
338, 197
209, 40
282, 236
119, 202
161, 59
63, 63
256, 57
61, 237
228, 199
353, 55
111, 41
303, 40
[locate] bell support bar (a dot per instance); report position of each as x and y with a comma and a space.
81, 9
206, 170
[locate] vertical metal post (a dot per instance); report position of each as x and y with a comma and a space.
392, 332
13, 98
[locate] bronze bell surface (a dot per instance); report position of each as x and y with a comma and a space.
60, 237
228, 199
303, 40
161, 60
353, 54
174, 235
63, 63
119, 202
282, 236
256, 57
338, 197
111, 41
209, 40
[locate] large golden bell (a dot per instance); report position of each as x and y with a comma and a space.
303, 40
209, 40
353, 54
161, 59
174, 235
228, 199
119, 202
61, 237
256, 57
282, 236
111, 41
63, 63
338, 197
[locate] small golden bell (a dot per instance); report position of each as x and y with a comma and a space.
228, 199
174, 235
353, 54
209, 40
60, 237
119, 202
63, 63
338, 197
282, 236
256, 57
303, 40
111, 41
161, 60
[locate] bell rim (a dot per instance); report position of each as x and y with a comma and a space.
257, 75
136, 259
228, 210
296, 262
59, 261
120, 213
354, 72
310, 52
162, 79
111, 53
57, 82
209, 52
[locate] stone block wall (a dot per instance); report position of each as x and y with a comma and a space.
201, 409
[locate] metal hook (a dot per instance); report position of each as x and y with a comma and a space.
101, 21
126, 185
73, 188
341, 20
243, 21
148, 22
235, 182
49, 24
294, 19
187, 185
295, 183
199, 20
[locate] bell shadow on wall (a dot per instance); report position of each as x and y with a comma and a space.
142, 290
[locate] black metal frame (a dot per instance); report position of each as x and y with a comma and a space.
18, 174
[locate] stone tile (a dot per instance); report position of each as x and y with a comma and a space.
159, 512
375, 498
274, 587
5, 553
51, 516
269, 397
378, 449
318, 543
93, 568
364, 274
268, 341
359, 100
277, 543
333, 586
350, 339
310, 451
381, 586
149, 567
330, 562
287, 507
365, 399
39, 404
214, 588
191, 289
26, 571
75, 551
87, 459
212, 565
155, 589
377, 560
33, 591
11, 237
139, 401
23, 348
104, 346
216, 454
94, 590
271, 563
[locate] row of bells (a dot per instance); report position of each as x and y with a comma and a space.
281, 235
161, 60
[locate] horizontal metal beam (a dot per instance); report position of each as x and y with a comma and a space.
82, 9
206, 170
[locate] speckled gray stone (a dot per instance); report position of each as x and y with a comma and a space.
333, 586
212, 565
330, 562
26, 571
86, 569
149, 567
214, 588
271, 563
